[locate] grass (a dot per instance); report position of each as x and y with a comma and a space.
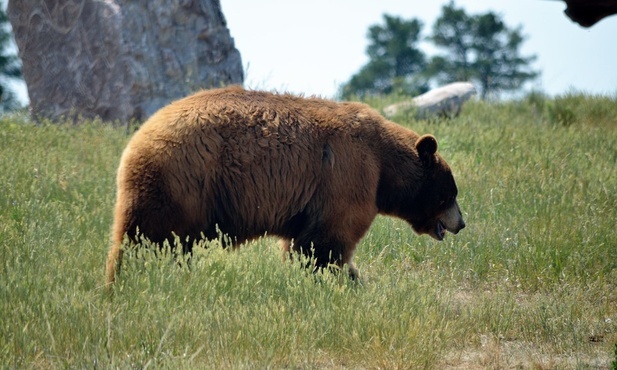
530, 283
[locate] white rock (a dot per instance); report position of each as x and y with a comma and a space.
444, 101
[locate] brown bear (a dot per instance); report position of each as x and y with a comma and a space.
313, 172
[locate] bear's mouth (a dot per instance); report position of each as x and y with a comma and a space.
440, 230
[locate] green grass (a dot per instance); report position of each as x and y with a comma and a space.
530, 283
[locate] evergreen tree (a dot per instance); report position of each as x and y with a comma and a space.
452, 31
498, 65
480, 48
10, 65
395, 60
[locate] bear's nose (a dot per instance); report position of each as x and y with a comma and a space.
461, 226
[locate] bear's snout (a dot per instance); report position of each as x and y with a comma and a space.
452, 219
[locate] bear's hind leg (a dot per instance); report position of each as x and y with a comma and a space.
152, 216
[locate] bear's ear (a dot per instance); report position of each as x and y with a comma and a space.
426, 147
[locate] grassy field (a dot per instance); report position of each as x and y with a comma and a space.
530, 283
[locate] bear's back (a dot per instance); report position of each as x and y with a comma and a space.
236, 106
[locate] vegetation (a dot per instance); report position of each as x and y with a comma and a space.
395, 61
481, 48
530, 283
478, 48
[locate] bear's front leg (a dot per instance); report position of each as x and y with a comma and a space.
325, 253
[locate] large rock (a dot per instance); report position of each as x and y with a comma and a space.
176, 47
73, 60
444, 101
120, 59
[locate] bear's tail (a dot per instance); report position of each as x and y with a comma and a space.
114, 261
114, 257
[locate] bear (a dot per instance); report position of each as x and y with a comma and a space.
310, 171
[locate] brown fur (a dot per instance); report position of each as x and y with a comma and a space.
309, 170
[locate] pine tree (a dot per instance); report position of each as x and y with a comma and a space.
395, 60
10, 65
480, 48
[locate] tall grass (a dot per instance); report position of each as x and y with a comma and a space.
531, 282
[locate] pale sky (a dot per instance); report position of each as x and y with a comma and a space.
311, 47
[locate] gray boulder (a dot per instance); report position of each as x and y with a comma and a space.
120, 59
175, 48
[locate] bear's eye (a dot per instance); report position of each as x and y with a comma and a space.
449, 200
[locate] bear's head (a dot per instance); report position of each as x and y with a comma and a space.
434, 209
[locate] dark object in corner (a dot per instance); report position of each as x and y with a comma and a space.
589, 12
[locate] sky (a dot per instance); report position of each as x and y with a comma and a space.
312, 47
